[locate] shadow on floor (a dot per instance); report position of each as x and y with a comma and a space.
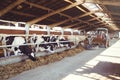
107, 70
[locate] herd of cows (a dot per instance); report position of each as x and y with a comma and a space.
20, 45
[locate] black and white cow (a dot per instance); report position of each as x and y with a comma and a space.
54, 41
41, 43
64, 42
36, 40
19, 48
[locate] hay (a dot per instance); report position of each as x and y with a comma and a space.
16, 68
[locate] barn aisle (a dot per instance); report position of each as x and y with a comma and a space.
97, 64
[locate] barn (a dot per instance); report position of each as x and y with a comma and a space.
59, 40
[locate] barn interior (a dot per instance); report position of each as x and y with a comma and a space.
76, 14
73, 19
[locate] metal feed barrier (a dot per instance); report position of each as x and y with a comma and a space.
14, 59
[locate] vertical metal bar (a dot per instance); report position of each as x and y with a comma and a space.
27, 31
62, 31
48, 30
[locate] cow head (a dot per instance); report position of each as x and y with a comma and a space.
32, 57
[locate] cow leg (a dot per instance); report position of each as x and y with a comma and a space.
50, 48
37, 48
8, 54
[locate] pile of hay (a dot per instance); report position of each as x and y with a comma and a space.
11, 70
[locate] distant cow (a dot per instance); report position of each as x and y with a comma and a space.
77, 39
19, 48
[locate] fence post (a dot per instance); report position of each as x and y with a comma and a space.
27, 31
78, 32
48, 30
71, 31
62, 31
5, 52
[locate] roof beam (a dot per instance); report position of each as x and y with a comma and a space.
84, 27
81, 26
92, 19
105, 2
83, 9
10, 7
110, 26
22, 14
114, 13
45, 8
74, 18
71, 25
52, 13
28, 15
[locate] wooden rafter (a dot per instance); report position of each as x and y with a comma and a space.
52, 13
71, 25
109, 13
84, 27
74, 18
85, 11
28, 15
105, 2
10, 7
22, 14
44, 8
79, 27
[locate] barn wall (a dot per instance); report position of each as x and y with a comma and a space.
38, 32
67, 33
75, 33
55, 33
6, 31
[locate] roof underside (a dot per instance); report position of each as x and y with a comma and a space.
64, 13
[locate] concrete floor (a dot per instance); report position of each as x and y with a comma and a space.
97, 64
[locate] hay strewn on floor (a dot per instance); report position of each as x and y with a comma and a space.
16, 68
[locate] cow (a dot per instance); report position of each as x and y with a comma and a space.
42, 43
77, 40
17, 46
63, 41
36, 40
54, 41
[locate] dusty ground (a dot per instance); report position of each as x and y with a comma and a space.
97, 64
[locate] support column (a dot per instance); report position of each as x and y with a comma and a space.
79, 32
62, 31
48, 30
27, 30
72, 31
